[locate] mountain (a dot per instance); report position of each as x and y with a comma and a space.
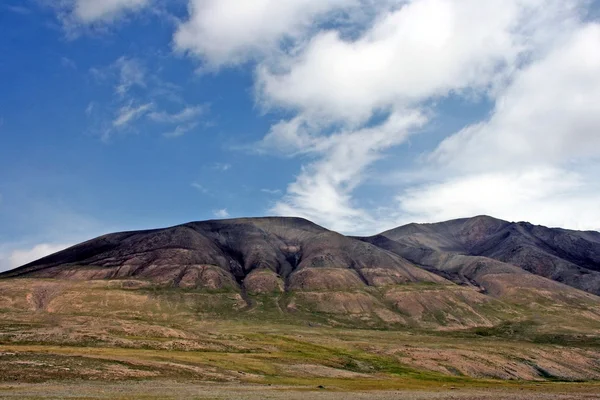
565, 256
259, 255
477, 272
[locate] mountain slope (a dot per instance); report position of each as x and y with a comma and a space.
566, 256
288, 252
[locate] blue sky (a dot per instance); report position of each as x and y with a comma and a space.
360, 115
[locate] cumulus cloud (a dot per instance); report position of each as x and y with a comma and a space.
356, 89
536, 157
424, 50
230, 32
410, 57
351, 88
550, 113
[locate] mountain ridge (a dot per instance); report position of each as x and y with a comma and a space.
286, 245
235, 246
566, 256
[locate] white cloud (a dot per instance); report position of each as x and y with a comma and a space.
424, 50
409, 57
229, 32
20, 257
323, 190
93, 11
186, 114
544, 195
355, 87
223, 213
129, 113
549, 114
536, 157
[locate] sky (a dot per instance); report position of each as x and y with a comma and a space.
360, 115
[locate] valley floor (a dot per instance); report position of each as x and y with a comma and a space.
172, 390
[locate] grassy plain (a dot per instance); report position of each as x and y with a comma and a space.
130, 340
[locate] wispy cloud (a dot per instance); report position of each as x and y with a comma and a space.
271, 191
181, 130
90, 108
186, 114
142, 94
68, 63
130, 113
199, 187
17, 9
131, 74
221, 167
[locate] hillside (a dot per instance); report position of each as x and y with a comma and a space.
566, 256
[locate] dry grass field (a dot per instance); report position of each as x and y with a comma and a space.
117, 339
